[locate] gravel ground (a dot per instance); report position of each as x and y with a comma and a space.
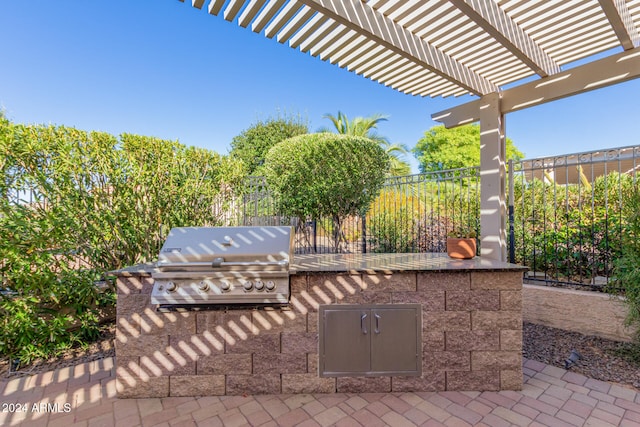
601, 358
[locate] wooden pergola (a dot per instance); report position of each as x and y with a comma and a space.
457, 47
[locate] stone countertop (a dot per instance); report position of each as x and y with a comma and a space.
368, 263
135, 270
371, 263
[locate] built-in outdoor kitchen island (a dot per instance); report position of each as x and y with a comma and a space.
353, 323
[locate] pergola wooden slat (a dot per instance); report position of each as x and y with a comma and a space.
479, 46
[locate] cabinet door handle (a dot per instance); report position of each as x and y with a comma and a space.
362, 325
377, 316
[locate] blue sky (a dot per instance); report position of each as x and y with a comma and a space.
165, 69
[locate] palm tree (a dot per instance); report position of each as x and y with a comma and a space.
365, 127
396, 152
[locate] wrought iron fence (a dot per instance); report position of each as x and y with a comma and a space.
567, 222
568, 214
415, 213
411, 213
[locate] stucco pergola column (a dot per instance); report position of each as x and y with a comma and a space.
493, 235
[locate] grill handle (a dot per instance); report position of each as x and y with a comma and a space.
219, 262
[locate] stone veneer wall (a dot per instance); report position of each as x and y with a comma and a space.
586, 312
472, 337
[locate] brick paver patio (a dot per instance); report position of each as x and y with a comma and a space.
84, 395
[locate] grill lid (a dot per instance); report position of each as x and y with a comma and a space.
227, 248
223, 265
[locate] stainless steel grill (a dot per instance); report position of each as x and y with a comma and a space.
224, 265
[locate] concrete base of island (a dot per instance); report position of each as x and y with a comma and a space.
471, 330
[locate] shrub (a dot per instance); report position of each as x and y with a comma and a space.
627, 266
571, 232
325, 175
392, 222
74, 205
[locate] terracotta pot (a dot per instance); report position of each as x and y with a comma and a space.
464, 248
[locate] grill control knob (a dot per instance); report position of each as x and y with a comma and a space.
203, 286
248, 285
270, 285
259, 285
225, 286
171, 287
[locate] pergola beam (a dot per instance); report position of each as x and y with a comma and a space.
618, 15
495, 22
385, 32
605, 72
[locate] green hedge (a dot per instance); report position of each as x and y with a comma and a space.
74, 205
627, 264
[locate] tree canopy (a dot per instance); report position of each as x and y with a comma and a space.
325, 175
441, 148
253, 143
